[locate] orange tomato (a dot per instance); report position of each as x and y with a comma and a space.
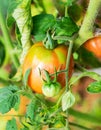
41, 58
94, 45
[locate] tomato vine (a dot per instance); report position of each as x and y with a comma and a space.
46, 44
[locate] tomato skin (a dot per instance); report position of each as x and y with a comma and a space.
41, 58
94, 45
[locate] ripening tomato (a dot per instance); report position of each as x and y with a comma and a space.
40, 58
94, 45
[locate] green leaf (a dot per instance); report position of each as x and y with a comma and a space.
8, 98
25, 79
92, 75
94, 87
22, 16
41, 24
31, 108
11, 125
66, 27
2, 53
75, 12
17, 104
39, 37
68, 100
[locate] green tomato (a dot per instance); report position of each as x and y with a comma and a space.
51, 89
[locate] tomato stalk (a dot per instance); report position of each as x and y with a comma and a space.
67, 68
7, 38
87, 28
69, 52
79, 126
67, 62
66, 10
85, 116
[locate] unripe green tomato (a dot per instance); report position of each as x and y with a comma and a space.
51, 89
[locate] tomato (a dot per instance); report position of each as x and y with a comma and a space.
94, 45
51, 89
40, 58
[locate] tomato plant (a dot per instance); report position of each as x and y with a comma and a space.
43, 59
94, 45
39, 58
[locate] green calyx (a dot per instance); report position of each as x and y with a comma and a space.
51, 87
48, 77
48, 42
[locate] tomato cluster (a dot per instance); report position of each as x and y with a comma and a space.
40, 58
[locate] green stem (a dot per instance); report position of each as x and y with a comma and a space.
66, 9
58, 72
67, 68
12, 115
86, 30
79, 126
92, 75
8, 42
68, 61
85, 116
6, 52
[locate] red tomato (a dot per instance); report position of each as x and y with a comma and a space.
41, 58
94, 45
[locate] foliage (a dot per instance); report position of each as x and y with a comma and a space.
68, 100
64, 24
9, 98
40, 29
11, 125
95, 87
